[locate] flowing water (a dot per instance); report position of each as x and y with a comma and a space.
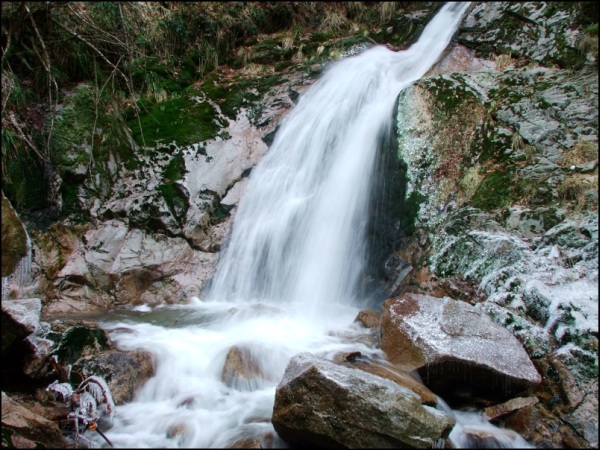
286, 281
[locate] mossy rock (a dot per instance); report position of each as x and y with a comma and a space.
494, 192
89, 136
175, 199
80, 341
241, 92
27, 186
183, 120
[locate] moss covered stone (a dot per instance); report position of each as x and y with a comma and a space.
80, 341
494, 192
184, 120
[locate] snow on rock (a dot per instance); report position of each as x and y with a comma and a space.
451, 343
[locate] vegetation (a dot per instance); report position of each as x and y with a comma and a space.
137, 66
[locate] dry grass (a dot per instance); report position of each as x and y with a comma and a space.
469, 183
581, 153
254, 70
287, 42
589, 44
579, 191
387, 10
333, 22
503, 62
517, 144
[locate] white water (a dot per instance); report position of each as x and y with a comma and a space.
286, 281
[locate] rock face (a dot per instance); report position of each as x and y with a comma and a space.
321, 403
454, 346
22, 428
14, 238
20, 318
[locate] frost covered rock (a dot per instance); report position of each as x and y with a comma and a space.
453, 346
20, 318
528, 29
321, 403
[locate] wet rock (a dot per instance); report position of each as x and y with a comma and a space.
451, 344
241, 370
321, 403
265, 440
75, 339
388, 371
175, 431
509, 407
35, 363
368, 318
124, 372
20, 318
22, 428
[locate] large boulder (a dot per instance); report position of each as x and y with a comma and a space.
456, 349
321, 403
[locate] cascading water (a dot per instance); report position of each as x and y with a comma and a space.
286, 282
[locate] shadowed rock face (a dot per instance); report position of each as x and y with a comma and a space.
458, 351
319, 402
14, 239
22, 428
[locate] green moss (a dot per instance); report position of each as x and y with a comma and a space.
27, 187
243, 92
89, 132
494, 191
182, 120
449, 94
169, 189
78, 340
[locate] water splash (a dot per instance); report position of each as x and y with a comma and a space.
473, 430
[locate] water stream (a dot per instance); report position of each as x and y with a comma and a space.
286, 281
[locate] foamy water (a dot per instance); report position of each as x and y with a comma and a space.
286, 281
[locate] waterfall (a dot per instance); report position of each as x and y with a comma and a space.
286, 281
299, 232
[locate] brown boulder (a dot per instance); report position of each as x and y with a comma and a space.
458, 351
22, 428
124, 372
241, 370
368, 318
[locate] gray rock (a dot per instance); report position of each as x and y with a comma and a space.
20, 318
321, 403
